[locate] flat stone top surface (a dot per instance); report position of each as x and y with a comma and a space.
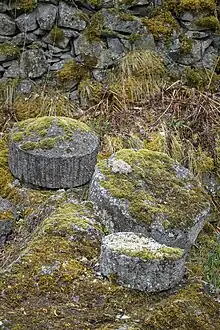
157, 189
137, 245
54, 137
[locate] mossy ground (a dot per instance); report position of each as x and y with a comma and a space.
153, 189
54, 284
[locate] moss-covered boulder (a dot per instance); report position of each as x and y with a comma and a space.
53, 152
147, 192
141, 263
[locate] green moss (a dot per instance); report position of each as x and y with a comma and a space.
94, 30
94, 3
189, 309
185, 45
190, 5
39, 127
9, 49
5, 175
162, 25
42, 124
25, 5
56, 34
18, 136
201, 79
29, 145
209, 22
71, 71
164, 253
44, 144
6, 215
154, 171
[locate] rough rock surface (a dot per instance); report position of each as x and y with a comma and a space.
53, 152
141, 263
6, 219
33, 63
159, 198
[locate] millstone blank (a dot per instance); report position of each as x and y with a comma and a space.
53, 152
141, 263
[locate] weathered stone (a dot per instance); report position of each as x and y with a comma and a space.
158, 198
84, 47
141, 263
46, 15
25, 87
13, 71
58, 65
53, 152
23, 39
6, 219
33, 63
113, 21
209, 58
70, 17
27, 22
74, 96
198, 49
115, 45
7, 25
61, 43
144, 42
4, 39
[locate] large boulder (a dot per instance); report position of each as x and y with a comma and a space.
53, 152
148, 192
140, 262
33, 63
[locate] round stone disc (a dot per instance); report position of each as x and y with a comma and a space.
140, 262
53, 152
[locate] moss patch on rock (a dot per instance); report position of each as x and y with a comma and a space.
162, 26
154, 190
9, 50
35, 133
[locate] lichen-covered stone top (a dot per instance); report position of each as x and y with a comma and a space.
137, 245
157, 188
54, 136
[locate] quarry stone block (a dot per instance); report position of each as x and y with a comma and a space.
141, 263
150, 194
53, 152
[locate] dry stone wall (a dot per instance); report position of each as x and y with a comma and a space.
37, 37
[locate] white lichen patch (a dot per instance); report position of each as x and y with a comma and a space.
137, 245
120, 166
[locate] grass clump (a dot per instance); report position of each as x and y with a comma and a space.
163, 194
94, 30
